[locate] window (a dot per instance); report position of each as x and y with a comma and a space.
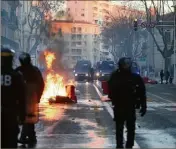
76, 57
78, 43
3, 30
79, 29
73, 43
73, 37
96, 21
95, 8
68, 9
10, 33
79, 36
76, 51
95, 15
73, 30
168, 36
82, 14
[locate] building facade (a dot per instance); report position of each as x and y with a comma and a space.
9, 24
155, 58
81, 41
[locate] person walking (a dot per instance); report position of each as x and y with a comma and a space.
167, 75
161, 76
127, 92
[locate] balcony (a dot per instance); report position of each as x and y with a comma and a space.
76, 44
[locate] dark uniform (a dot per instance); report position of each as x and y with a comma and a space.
161, 76
12, 100
32, 75
127, 91
167, 75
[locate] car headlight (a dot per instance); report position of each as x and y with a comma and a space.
76, 74
87, 75
97, 74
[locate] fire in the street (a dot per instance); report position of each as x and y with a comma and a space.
54, 83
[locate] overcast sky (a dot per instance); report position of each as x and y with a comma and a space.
140, 4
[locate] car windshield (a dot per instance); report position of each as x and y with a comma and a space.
82, 67
107, 66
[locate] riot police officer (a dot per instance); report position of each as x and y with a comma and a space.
35, 87
127, 91
12, 100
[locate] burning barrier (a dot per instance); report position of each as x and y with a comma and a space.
55, 89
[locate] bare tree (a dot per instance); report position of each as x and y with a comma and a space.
160, 9
120, 35
63, 15
39, 21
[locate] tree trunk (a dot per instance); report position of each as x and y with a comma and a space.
167, 63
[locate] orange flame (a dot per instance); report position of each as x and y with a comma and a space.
54, 83
49, 57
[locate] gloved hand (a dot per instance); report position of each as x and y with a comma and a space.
143, 111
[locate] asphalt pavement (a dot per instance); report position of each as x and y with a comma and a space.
86, 124
89, 123
157, 129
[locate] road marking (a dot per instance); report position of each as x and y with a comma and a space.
171, 109
161, 98
109, 109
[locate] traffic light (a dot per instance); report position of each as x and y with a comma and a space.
135, 24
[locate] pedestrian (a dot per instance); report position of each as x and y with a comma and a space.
12, 100
171, 78
35, 87
167, 75
127, 92
161, 76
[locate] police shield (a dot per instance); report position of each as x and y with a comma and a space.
32, 107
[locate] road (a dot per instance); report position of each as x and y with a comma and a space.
89, 123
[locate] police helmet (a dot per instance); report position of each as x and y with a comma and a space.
7, 52
7, 55
125, 63
25, 58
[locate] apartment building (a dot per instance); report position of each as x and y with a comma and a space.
81, 41
94, 12
9, 24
